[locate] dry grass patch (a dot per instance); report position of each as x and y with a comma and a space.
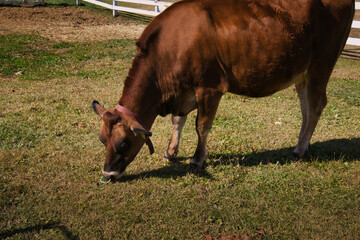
66, 24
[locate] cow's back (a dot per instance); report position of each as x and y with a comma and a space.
258, 46
263, 43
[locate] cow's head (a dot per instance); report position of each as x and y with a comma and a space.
123, 137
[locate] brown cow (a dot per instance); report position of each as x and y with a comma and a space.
197, 50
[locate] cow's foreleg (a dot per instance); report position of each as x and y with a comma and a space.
208, 102
312, 100
301, 92
178, 123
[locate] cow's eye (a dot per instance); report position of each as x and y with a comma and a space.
122, 145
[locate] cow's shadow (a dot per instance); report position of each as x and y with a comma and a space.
337, 149
175, 168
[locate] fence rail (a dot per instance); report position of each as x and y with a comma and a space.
159, 6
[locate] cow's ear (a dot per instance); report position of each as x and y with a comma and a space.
98, 109
137, 128
142, 132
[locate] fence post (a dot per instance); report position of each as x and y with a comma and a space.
115, 12
157, 9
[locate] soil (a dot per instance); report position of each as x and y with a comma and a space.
70, 24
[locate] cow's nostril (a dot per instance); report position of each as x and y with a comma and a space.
112, 174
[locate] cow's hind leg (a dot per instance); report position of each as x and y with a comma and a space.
208, 102
178, 123
312, 95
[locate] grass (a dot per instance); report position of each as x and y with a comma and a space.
51, 158
35, 58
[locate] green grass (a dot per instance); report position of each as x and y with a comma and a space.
50, 165
35, 58
60, 3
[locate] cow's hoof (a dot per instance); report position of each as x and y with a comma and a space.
170, 157
295, 155
194, 167
165, 160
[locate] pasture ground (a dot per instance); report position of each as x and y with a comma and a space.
51, 68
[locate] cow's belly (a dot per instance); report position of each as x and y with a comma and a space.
264, 87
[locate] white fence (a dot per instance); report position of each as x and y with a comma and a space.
159, 6
355, 24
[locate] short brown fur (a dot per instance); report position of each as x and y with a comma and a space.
196, 51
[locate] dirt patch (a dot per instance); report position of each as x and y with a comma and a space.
70, 24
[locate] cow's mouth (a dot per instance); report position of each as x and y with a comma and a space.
113, 175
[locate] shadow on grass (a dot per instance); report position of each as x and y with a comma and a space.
37, 228
337, 149
175, 169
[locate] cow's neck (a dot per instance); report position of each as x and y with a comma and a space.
140, 94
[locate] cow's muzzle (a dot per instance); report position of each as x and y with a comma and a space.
112, 175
